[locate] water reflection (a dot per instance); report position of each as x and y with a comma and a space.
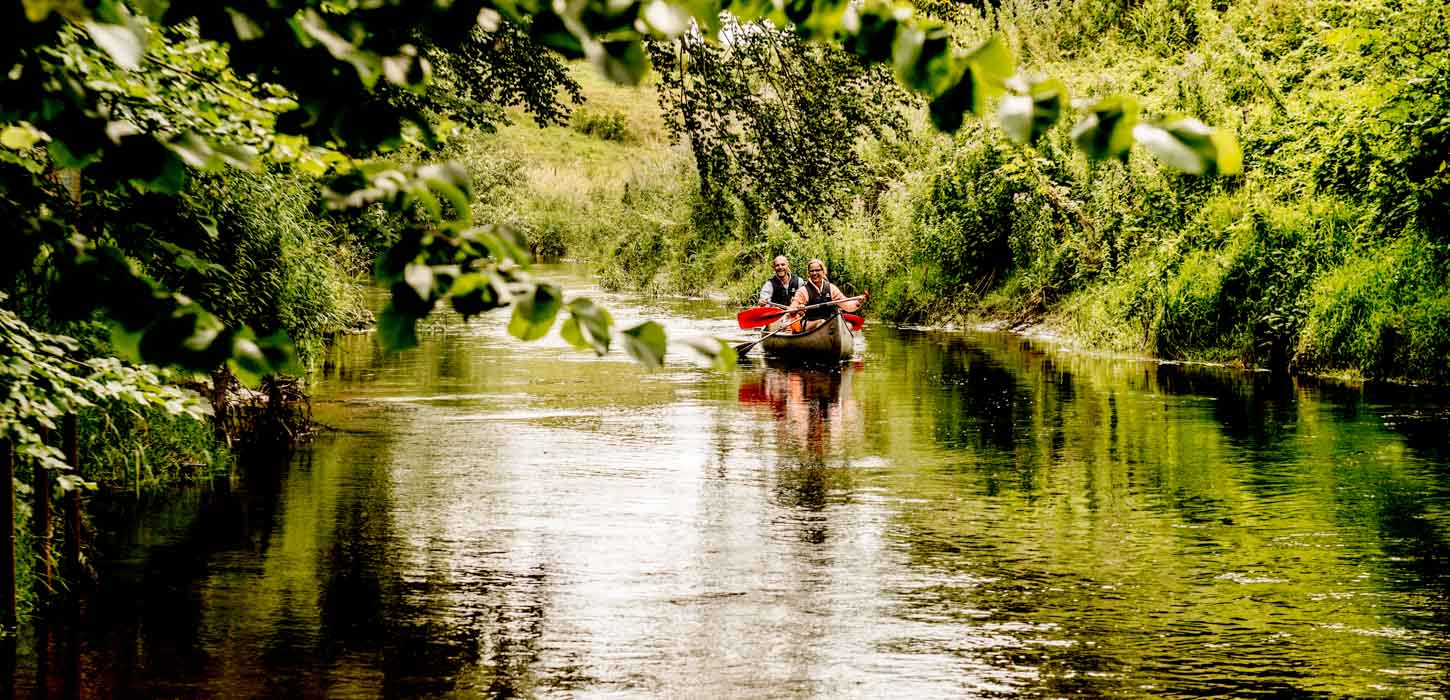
954, 515
815, 411
817, 426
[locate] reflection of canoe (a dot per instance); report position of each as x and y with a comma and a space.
830, 342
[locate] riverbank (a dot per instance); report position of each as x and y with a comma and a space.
1323, 258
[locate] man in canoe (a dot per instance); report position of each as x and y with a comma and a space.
815, 292
780, 289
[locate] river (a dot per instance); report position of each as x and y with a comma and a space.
949, 515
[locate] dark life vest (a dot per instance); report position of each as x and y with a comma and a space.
782, 294
819, 297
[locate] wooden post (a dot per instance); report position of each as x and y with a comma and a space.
70, 428
221, 380
7, 543
40, 527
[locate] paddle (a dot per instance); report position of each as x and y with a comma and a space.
765, 315
743, 348
852, 320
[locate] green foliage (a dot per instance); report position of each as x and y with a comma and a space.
143, 449
772, 120
963, 220
1382, 313
491, 67
268, 260
646, 344
41, 380
607, 124
347, 72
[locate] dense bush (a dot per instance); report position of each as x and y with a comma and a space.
274, 262
605, 124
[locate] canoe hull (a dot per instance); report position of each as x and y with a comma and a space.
831, 343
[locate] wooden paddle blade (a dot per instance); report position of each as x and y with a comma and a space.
854, 321
758, 316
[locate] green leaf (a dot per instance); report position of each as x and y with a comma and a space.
666, 18
194, 151
821, 19
169, 177
37, 10
622, 61
924, 60
368, 65
645, 343
1189, 145
405, 298
451, 180
874, 36
500, 241
721, 354
588, 326
397, 330
983, 73
1036, 107
66, 157
1229, 157
247, 361
534, 312
406, 69
242, 157
949, 109
420, 278
475, 293
187, 260
19, 137
153, 9
993, 60
127, 342
706, 13
280, 352
245, 27
124, 43
1014, 114
1107, 130
391, 263
67, 482
1162, 143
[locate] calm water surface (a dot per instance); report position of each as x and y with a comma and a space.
950, 515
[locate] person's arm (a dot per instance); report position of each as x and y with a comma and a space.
800, 299
848, 306
764, 299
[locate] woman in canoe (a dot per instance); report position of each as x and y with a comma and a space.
818, 290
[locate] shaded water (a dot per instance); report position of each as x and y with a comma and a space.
950, 515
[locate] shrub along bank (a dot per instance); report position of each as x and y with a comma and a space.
1328, 255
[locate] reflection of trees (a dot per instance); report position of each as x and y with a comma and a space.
1169, 503
439, 616
979, 400
146, 606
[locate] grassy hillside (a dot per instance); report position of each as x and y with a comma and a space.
609, 187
